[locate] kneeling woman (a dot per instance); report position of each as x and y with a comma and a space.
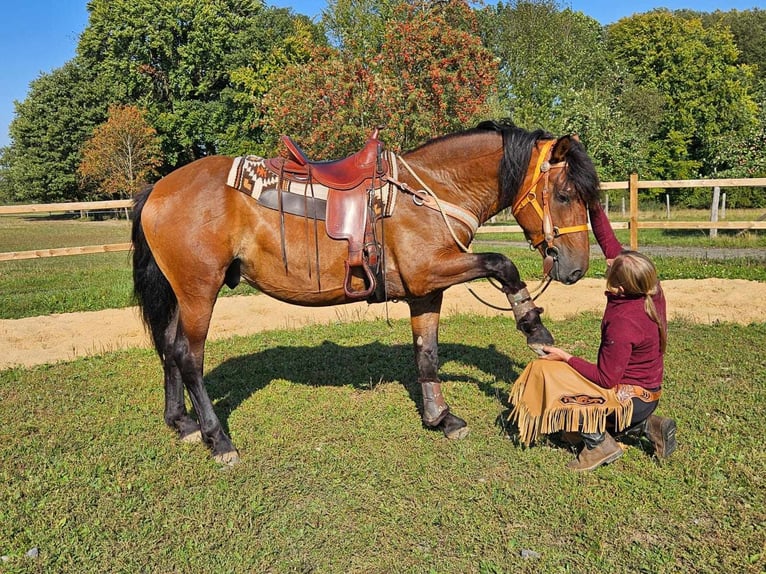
561, 392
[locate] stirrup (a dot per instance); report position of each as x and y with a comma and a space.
350, 293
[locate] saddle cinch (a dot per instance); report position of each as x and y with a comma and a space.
350, 214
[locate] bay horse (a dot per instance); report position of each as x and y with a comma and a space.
192, 233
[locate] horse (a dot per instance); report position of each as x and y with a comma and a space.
192, 233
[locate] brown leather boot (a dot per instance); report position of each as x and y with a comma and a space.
590, 458
661, 432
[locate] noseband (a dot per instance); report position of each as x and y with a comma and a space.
541, 206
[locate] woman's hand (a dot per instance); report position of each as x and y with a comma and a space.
555, 354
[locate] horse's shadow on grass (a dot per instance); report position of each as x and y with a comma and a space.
360, 367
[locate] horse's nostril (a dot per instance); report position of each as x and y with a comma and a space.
574, 276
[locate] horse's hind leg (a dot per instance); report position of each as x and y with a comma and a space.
425, 337
182, 353
189, 355
176, 416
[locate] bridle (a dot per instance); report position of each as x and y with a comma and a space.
541, 205
549, 232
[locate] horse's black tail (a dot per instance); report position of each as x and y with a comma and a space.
151, 289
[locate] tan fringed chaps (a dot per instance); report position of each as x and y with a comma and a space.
550, 396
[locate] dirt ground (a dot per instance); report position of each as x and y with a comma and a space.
48, 339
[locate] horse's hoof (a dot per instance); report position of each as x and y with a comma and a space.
227, 458
540, 336
192, 437
454, 428
537, 348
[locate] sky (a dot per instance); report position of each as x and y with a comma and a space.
38, 36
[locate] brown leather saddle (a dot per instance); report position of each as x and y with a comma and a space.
350, 212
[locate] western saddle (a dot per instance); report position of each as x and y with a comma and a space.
350, 211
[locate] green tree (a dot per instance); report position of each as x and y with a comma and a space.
122, 154
707, 94
357, 27
48, 129
548, 57
748, 29
176, 59
615, 119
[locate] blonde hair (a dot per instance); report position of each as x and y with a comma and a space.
632, 273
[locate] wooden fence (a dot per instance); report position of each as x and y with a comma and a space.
633, 185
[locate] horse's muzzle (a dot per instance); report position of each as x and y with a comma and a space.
573, 277
553, 267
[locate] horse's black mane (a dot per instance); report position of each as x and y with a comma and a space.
518, 144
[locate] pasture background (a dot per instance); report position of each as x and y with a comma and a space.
337, 473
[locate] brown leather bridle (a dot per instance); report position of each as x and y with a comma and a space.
541, 205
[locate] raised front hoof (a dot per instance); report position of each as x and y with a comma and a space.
538, 337
533, 328
229, 458
454, 428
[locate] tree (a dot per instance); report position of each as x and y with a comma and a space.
356, 27
176, 59
429, 75
435, 75
122, 154
48, 129
748, 29
707, 94
548, 57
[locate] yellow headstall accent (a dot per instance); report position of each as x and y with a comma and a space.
542, 171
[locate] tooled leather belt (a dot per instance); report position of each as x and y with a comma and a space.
634, 391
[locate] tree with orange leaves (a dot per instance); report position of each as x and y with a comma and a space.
425, 74
122, 154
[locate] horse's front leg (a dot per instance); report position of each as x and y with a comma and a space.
452, 268
424, 317
526, 313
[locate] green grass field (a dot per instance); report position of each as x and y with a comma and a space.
337, 473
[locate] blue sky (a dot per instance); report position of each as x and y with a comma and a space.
38, 36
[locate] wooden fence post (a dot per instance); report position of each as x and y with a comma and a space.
714, 210
633, 187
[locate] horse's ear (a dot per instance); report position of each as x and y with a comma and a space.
562, 147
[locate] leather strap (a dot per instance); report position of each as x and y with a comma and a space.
635, 392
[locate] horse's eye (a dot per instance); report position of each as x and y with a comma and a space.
564, 195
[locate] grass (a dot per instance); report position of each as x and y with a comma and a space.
338, 475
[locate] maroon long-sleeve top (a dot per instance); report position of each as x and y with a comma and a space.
630, 341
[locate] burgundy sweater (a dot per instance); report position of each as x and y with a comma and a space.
630, 341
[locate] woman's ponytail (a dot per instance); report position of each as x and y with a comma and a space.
633, 273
